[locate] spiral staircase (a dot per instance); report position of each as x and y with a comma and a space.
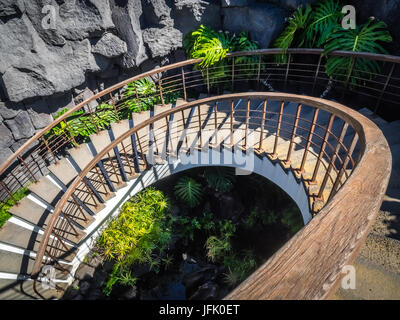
335, 160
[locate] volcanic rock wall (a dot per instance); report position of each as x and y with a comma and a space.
56, 53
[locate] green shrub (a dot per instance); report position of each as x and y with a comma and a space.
239, 268
219, 246
292, 220
80, 124
189, 191
135, 234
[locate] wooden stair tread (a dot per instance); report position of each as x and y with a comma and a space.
30, 211
64, 171
46, 190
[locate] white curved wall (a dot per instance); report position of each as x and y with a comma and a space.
247, 163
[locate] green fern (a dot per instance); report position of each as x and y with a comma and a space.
365, 38
189, 191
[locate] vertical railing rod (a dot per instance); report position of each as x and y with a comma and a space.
331, 163
233, 74
200, 131
113, 167
114, 107
208, 81
27, 168
287, 69
232, 110
247, 124
296, 121
161, 91
69, 222
49, 149
278, 128
216, 123
79, 207
310, 135
90, 192
384, 87
316, 74
7, 191
260, 146
343, 168
91, 116
184, 84
259, 71
321, 153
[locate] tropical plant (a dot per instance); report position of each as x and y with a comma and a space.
220, 179
140, 95
294, 33
320, 26
213, 47
81, 124
189, 191
326, 18
135, 234
365, 38
219, 246
239, 268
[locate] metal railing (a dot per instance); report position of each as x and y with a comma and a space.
212, 120
304, 73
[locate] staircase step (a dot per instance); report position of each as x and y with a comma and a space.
158, 108
46, 190
100, 141
81, 155
23, 290
30, 211
64, 171
11, 262
119, 128
15, 235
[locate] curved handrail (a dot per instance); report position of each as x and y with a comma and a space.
42, 132
374, 165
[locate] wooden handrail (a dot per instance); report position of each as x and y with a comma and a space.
308, 266
42, 132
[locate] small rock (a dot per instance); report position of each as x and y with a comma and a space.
6, 137
84, 287
110, 46
131, 293
208, 291
84, 272
21, 126
194, 279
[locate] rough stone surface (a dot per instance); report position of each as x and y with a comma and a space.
110, 46
290, 4
162, 41
39, 113
21, 126
235, 3
6, 137
8, 111
262, 21
190, 14
11, 7
5, 153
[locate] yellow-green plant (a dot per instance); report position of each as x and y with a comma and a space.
139, 229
